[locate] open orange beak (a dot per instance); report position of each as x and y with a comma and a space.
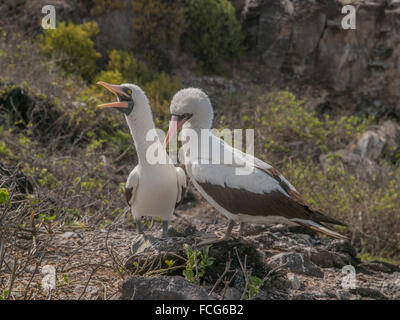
118, 92
175, 125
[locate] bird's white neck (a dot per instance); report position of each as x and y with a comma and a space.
140, 122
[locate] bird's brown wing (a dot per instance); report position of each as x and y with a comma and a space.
297, 197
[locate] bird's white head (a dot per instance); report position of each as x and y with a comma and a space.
190, 108
129, 97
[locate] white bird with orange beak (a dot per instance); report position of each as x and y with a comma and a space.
261, 196
152, 189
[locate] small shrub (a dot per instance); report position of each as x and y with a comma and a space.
157, 27
213, 31
285, 121
4, 196
197, 263
131, 69
72, 45
160, 92
370, 208
101, 5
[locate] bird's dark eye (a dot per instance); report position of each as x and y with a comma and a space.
129, 91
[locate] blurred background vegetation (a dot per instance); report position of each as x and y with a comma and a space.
77, 158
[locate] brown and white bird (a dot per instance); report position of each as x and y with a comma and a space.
152, 189
261, 196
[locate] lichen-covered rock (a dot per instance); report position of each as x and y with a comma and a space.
296, 263
162, 288
370, 145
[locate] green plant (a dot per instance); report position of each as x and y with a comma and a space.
160, 92
131, 69
65, 280
370, 207
197, 263
157, 27
284, 119
169, 263
254, 287
72, 45
214, 32
101, 5
4, 151
4, 197
47, 221
3, 295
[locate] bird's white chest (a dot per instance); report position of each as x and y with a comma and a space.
157, 193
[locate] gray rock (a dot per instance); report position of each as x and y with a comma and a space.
370, 145
297, 263
377, 266
294, 281
162, 288
303, 296
326, 259
69, 235
390, 130
363, 167
369, 293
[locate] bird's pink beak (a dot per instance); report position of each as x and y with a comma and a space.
174, 126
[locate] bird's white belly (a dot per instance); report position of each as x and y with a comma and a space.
156, 194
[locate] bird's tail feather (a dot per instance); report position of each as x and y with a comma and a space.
319, 227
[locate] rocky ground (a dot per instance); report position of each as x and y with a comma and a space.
269, 262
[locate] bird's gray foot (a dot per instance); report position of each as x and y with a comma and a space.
226, 237
241, 229
139, 226
165, 230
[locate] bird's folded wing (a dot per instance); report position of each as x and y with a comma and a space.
131, 186
182, 183
260, 193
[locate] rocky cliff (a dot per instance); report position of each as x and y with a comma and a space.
303, 42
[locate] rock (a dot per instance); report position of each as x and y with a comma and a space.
294, 281
326, 259
377, 266
369, 293
342, 246
390, 130
364, 168
370, 145
161, 288
152, 251
296, 263
303, 296
69, 235
183, 228
298, 40
345, 250
232, 294
10, 176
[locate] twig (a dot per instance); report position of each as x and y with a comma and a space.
227, 283
33, 274
2, 252
13, 276
227, 267
245, 273
90, 277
